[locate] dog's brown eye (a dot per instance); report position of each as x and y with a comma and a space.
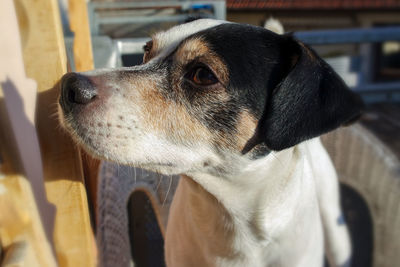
147, 49
203, 76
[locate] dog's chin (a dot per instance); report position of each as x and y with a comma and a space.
81, 141
102, 153
166, 168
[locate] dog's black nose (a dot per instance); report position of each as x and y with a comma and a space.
76, 89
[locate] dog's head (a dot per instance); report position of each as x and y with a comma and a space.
206, 91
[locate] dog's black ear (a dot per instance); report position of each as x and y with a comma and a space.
309, 101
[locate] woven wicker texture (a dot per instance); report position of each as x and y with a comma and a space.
369, 167
116, 184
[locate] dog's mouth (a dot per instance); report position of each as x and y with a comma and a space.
85, 137
109, 139
101, 138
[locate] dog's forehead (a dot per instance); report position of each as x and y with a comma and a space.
167, 41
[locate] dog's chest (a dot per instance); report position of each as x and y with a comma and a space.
201, 232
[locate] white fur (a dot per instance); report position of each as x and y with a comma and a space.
273, 210
167, 41
274, 25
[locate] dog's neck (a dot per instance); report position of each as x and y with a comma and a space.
219, 217
254, 184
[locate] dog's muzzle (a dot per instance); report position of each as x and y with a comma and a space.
76, 90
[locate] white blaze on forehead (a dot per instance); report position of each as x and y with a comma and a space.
167, 41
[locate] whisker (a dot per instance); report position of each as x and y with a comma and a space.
129, 171
159, 181
169, 188
53, 115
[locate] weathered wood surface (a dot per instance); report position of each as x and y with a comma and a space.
79, 24
23, 205
45, 61
83, 58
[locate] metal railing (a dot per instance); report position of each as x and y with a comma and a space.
347, 36
96, 20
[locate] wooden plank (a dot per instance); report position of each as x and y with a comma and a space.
91, 170
83, 58
21, 230
20, 224
45, 61
79, 24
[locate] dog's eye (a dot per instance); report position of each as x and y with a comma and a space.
147, 48
203, 76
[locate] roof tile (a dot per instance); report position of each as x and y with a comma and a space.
312, 4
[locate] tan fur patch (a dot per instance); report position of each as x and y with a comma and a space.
168, 118
201, 203
308, 51
245, 128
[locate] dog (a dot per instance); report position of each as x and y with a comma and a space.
237, 111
